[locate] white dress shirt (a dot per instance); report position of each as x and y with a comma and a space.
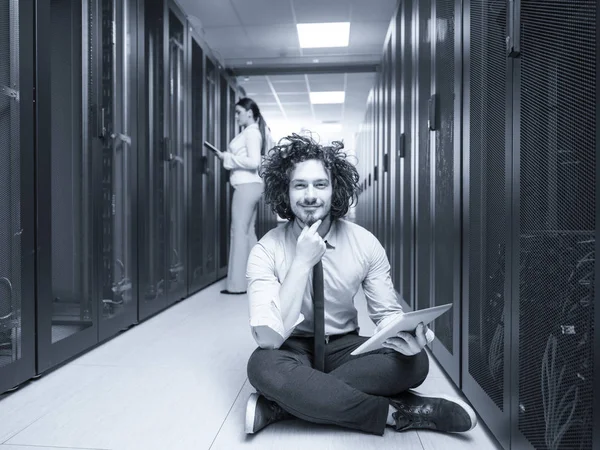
243, 156
354, 257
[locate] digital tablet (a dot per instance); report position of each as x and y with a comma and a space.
211, 147
404, 322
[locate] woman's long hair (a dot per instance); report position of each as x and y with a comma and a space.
250, 105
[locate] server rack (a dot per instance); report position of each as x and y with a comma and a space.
553, 228
224, 192
487, 127
17, 224
67, 315
152, 178
210, 191
523, 129
404, 218
99, 183
421, 149
444, 124
116, 141
198, 277
178, 157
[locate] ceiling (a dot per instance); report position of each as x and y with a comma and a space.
261, 34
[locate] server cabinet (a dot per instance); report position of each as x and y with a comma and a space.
113, 56
223, 187
17, 225
553, 227
487, 127
421, 148
209, 185
403, 219
152, 179
199, 276
67, 313
177, 143
444, 124
163, 218
386, 150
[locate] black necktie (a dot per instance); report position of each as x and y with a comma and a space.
319, 316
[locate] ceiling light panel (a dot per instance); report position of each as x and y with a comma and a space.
323, 35
329, 97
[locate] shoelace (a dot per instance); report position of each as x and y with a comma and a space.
412, 422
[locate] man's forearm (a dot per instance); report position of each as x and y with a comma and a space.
292, 291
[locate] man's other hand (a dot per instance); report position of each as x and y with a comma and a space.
407, 344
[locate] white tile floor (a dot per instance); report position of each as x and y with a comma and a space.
178, 382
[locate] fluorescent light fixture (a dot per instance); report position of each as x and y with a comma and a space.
329, 97
322, 35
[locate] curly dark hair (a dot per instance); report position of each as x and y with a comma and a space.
278, 164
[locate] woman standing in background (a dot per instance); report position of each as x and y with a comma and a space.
243, 159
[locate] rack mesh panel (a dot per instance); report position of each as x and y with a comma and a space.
405, 259
177, 246
210, 262
196, 244
423, 207
153, 249
107, 159
488, 220
444, 227
224, 205
557, 223
10, 196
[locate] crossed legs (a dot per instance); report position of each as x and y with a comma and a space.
353, 390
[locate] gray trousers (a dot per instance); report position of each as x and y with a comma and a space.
353, 392
244, 206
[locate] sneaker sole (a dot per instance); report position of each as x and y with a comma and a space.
250, 413
455, 400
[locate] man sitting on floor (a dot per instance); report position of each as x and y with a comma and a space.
313, 186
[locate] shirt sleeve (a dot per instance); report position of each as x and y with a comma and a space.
250, 161
266, 321
382, 300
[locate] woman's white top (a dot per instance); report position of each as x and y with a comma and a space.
243, 156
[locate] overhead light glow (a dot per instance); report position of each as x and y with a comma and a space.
322, 35
329, 97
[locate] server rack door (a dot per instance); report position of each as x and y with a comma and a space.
209, 179
386, 171
554, 228
378, 153
445, 175
222, 184
17, 320
421, 146
372, 148
487, 121
117, 31
199, 275
232, 131
177, 247
404, 217
67, 151
153, 166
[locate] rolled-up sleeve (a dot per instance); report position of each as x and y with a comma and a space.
266, 321
382, 300
249, 161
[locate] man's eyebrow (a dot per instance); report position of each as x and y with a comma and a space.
314, 181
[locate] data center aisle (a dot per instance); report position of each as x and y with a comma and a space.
178, 382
